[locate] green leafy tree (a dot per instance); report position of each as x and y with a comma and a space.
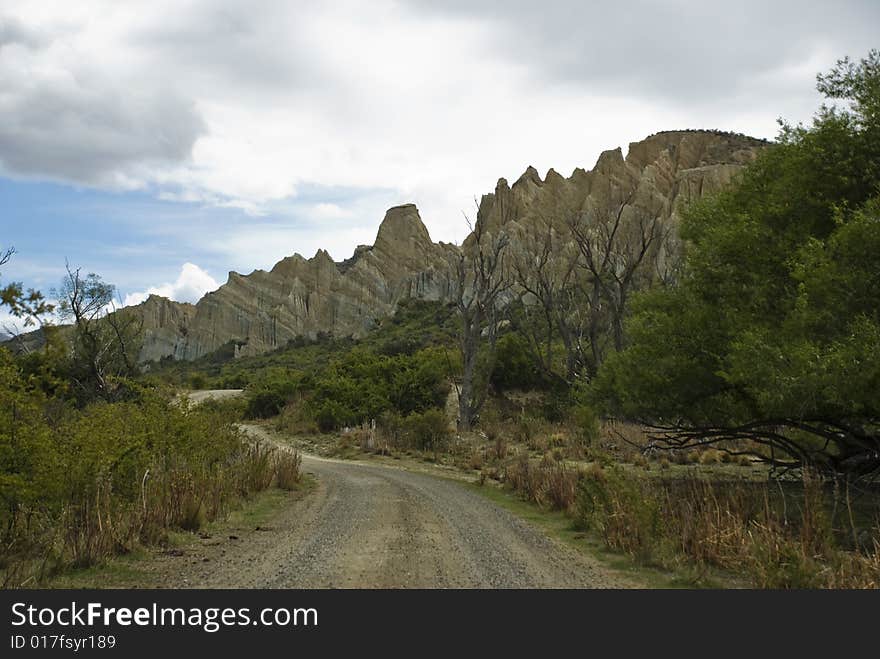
29, 305
771, 342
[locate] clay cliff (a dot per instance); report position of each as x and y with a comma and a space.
658, 176
299, 296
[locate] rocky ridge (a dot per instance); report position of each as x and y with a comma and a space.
302, 297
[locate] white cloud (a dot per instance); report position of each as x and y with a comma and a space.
245, 104
191, 284
330, 211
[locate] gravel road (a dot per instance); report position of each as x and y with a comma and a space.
201, 395
374, 526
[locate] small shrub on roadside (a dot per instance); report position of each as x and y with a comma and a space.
527, 430
586, 423
296, 419
428, 430
287, 470
549, 482
265, 404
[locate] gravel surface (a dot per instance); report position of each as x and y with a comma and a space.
373, 526
201, 395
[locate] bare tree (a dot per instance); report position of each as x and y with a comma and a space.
617, 253
479, 286
545, 271
104, 335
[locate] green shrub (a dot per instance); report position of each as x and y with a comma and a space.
428, 430
514, 365
392, 428
80, 484
296, 418
586, 423
198, 381
265, 404
331, 416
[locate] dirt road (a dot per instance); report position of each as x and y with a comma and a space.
201, 395
373, 526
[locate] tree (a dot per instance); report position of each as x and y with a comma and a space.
618, 249
481, 281
104, 342
770, 344
29, 305
545, 271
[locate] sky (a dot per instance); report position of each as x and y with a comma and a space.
164, 143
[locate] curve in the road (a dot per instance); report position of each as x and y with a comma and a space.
374, 526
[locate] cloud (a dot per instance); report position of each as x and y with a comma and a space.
13, 32
330, 211
78, 105
246, 105
191, 284
680, 51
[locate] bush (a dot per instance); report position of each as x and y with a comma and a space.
521, 476
198, 381
734, 526
428, 430
528, 430
514, 365
296, 418
586, 423
265, 404
392, 429
331, 416
548, 483
560, 486
79, 485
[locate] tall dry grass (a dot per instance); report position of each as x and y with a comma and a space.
762, 534
549, 482
740, 527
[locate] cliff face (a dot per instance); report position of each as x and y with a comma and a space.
299, 296
658, 177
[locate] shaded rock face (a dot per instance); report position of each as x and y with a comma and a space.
298, 296
165, 328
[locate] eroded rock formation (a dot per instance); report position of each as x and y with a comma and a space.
299, 296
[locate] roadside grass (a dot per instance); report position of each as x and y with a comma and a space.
137, 569
702, 524
558, 525
118, 572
